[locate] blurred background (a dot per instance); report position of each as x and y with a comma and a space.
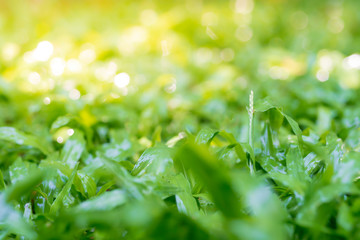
138, 65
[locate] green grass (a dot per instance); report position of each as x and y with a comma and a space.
305, 185
235, 124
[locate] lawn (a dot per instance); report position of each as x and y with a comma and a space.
189, 119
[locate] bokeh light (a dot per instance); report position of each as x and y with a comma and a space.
121, 80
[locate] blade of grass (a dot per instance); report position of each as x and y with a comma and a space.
215, 179
57, 204
19, 137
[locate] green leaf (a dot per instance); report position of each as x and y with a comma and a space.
307, 214
295, 164
17, 171
155, 160
265, 105
271, 165
24, 186
185, 201
349, 168
345, 218
66, 170
123, 178
106, 201
276, 119
156, 137
60, 122
88, 184
266, 214
205, 136
215, 179
58, 203
296, 129
73, 149
105, 187
324, 117
269, 148
238, 147
2, 183
21, 138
